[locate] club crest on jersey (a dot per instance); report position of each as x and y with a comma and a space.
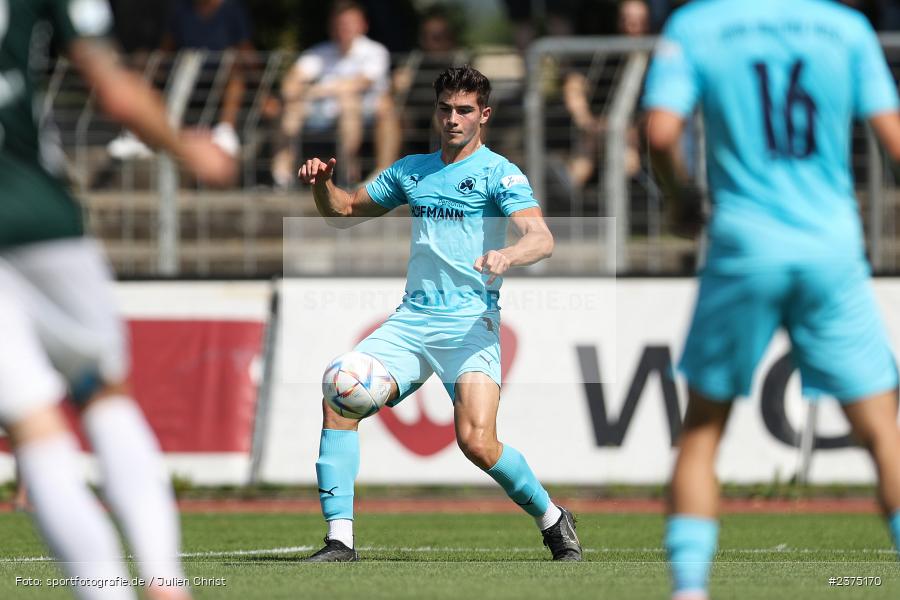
466, 185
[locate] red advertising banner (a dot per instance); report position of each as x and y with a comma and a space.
194, 380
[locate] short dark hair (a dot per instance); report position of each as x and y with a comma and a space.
463, 79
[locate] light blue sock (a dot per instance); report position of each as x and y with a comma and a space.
691, 545
518, 480
894, 526
336, 471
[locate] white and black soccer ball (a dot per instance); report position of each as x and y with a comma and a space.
356, 385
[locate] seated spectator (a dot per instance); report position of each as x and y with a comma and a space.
217, 26
633, 20
531, 20
341, 83
437, 50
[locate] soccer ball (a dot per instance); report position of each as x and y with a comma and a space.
356, 385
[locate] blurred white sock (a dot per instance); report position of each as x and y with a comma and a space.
690, 595
136, 484
71, 519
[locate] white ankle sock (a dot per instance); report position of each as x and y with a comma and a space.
549, 518
341, 530
136, 485
71, 519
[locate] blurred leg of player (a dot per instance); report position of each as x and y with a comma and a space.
75, 313
874, 423
692, 529
734, 320
67, 513
839, 345
20, 501
137, 487
842, 349
477, 398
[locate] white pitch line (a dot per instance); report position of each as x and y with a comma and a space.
226, 553
780, 549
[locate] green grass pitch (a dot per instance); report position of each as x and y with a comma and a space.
498, 556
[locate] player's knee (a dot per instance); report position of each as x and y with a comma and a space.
872, 438
42, 422
332, 420
479, 449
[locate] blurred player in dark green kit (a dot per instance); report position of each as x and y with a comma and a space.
60, 328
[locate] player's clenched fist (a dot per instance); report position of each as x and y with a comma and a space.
315, 171
494, 262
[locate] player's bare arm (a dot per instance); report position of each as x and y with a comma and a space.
887, 129
534, 245
683, 201
333, 202
130, 100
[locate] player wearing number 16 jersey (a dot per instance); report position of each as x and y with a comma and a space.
779, 84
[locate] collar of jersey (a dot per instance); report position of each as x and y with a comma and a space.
459, 162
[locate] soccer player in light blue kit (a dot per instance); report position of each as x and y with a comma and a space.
779, 84
460, 199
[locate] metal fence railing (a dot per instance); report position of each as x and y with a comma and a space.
156, 221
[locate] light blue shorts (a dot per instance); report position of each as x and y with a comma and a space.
838, 340
412, 345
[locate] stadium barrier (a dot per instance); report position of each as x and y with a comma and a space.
155, 221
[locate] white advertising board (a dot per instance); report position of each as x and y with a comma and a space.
587, 396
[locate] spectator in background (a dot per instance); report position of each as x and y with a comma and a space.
437, 50
392, 23
216, 26
532, 19
343, 83
633, 20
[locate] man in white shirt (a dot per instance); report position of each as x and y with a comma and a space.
341, 83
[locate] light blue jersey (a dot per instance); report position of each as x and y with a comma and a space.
779, 82
459, 212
